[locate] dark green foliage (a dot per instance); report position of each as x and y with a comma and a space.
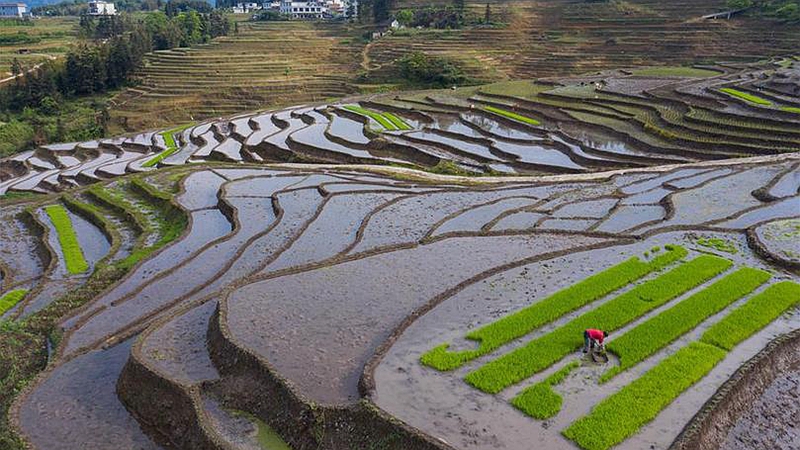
421, 68
20, 38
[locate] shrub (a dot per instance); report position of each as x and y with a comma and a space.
10, 299
511, 115
524, 321
540, 401
754, 315
419, 67
543, 352
622, 414
70, 247
656, 333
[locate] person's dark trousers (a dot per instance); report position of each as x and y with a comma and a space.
586, 341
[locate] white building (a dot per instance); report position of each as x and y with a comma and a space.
100, 8
244, 8
13, 9
303, 10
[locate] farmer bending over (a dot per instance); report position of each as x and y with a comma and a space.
592, 337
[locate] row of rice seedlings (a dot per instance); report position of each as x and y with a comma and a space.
511, 115
522, 322
540, 401
387, 120
651, 336
545, 351
754, 99
10, 299
622, 414
172, 146
67, 239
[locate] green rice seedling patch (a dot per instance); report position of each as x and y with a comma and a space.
719, 244
70, 247
9, 299
545, 351
746, 97
397, 122
383, 121
522, 322
644, 340
511, 115
790, 109
623, 413
686, 72
540, 401
754, 315
172, 146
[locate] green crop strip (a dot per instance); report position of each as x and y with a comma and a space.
545, 351
746, 97
790, 109
172, 146
540, 401
754, 315
524, 321
622, 414
511, 115
70, 247
639, 343
10, 299
383, 121
398, 122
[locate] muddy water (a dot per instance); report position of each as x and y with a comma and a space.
518, 221
595, 209
786, 208
479, 150
178, 348
348, 129
76, 407
94, 244
651, 197
265, 128
498, 129
694, 181
18, 246
473, 219
567, 224
318, 328
51, 290
333, 230
261, 187
210, 142
442, 405
255, 214
237, 431
788, 185
200, 190
235, 174
411, 219
627, 217
335, 188
646, 185
230, 149
214, 225
601, 141
771, 423
314, 136
279, 139
537, 154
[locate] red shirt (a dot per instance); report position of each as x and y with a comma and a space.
597, 335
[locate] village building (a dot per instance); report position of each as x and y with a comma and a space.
100, 8
13, 9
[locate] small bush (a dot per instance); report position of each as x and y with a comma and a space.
421, 68
70, 247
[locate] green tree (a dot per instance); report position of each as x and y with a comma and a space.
405, 17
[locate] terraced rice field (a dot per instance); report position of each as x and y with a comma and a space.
304, 283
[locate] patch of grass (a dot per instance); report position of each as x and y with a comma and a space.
746, 96
543, 352
754, 315
511, 115
172, 146
623, 413
688, 72
70, 247
383, 121
10, 299
524, 321
722, 245
644, 340
540, 401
